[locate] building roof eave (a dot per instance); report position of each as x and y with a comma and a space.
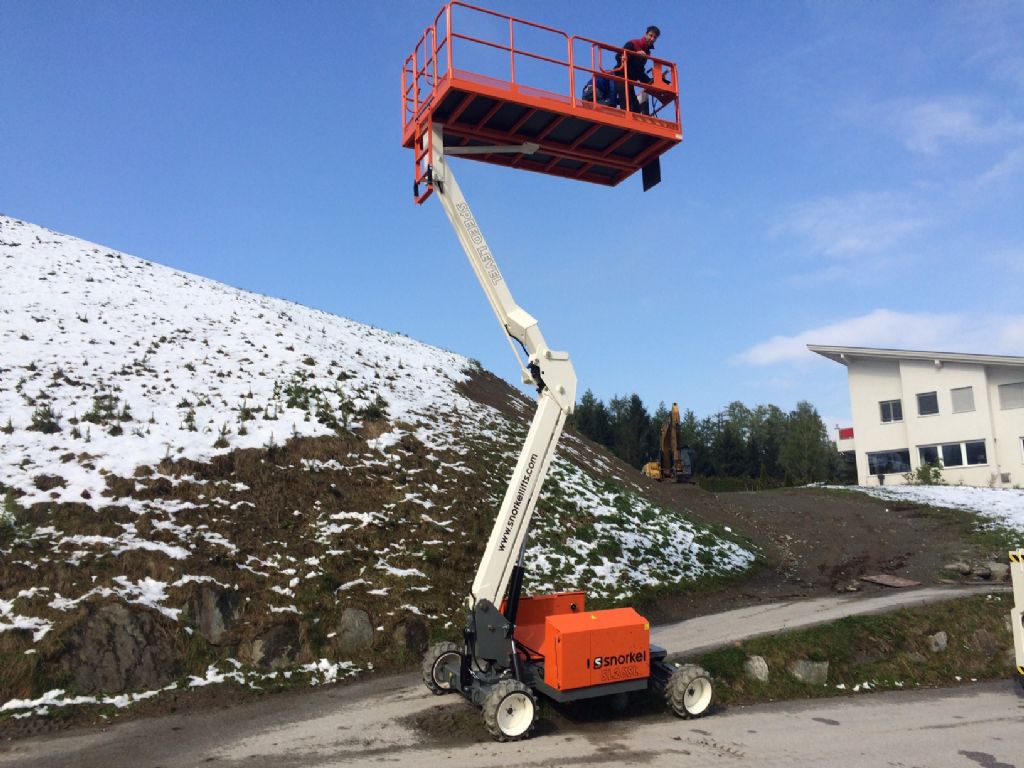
843, 355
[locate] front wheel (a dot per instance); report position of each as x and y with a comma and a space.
440, 662
689, 691
510, 711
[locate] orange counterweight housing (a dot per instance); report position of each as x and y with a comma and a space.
533, 613
595, 648
582, 648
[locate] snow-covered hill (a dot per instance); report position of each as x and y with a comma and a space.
179, 362
262, 486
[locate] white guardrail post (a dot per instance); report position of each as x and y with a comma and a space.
1017, 613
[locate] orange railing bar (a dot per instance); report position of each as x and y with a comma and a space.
431, 44
595, 69
430, 70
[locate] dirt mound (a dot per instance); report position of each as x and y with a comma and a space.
816, 541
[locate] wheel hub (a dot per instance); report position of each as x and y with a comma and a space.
516, 714
698, 696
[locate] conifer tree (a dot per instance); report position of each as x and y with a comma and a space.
805, 451
729, 452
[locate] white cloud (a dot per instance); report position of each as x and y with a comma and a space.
955, 332
926, 126
842, 227
1008, 165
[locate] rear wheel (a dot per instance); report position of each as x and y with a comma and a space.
440, 661
689, 691
510, 711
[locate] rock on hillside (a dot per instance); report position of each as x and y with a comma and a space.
205, 484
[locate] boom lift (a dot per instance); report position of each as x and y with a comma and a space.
516, 647
1017, 613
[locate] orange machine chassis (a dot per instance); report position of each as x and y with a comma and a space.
574, 653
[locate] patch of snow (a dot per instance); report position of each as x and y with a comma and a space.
401, 573
11, 621
1001, 505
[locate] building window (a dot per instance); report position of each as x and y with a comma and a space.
887, 462
892, 410
952, 455
976, 452
963, 399
1011, 395
971, 453
927, 404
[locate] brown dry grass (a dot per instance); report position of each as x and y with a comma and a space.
266, 504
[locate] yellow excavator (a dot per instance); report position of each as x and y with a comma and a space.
673, 463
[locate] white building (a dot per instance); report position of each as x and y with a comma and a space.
963, 413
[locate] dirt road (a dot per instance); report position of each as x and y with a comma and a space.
705, 632
978, 725
395, 720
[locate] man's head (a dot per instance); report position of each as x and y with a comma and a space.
652, 35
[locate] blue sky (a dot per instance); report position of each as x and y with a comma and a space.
852, 173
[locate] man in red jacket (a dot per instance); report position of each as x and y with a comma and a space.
636, 52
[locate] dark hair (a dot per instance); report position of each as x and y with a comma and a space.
655, 30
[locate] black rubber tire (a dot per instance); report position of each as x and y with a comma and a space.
510, 711
435, 658
689, 692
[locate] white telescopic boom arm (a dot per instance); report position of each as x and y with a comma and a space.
550, 371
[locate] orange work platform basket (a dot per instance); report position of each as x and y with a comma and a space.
493, 80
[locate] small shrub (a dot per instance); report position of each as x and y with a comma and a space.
376, 410
44, 420
271, 447
222, 438
10, 508
104, 409
926, 474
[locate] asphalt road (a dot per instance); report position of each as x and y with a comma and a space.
381, 722
706, 632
